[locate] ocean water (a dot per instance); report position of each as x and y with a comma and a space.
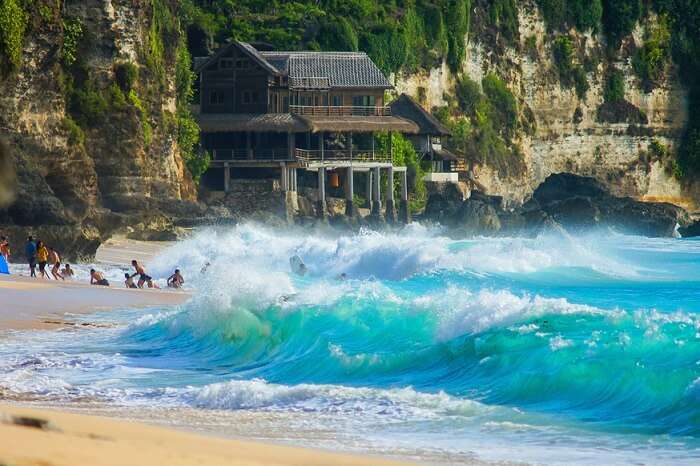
557, 349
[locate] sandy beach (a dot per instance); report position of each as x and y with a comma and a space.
51, 438
36, 303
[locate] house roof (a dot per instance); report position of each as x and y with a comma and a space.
288, 122
311, 70
404, 106
254, 123
342, 69
444, 154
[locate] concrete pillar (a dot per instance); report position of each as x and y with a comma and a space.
290, 146
377, 198
404, 211
350, 146
390, 207
368, 194
284, 180
227, 178
321, 203
293, 179
320, 145
349, 193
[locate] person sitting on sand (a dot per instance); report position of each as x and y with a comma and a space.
67, 272
42, 257
129, 281
55, 260
5, 248
143, 276
176, 280
96, 278
30, 252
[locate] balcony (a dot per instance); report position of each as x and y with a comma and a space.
306, 157
219, 156
319, 110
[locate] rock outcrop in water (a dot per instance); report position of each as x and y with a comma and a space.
562, 200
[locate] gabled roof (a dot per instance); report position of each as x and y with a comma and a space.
341, 69
244, 47
404, 106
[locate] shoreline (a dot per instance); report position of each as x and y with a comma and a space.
35, 303
49, 437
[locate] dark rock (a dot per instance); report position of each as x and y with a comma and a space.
691, 230
494, 201
621, 112
476, 218
560, 186
577, 212
444, 201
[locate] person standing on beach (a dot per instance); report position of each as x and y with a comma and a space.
143, 276
55, 261
30, 252
42, 257
5, 248
96, 278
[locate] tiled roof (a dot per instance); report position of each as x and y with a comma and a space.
342, 69
404, 106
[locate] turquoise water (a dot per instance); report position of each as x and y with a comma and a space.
557, 349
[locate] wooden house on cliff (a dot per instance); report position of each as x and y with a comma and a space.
268, 113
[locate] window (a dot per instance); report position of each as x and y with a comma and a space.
250, 97
242, 63
337, 101
216, 98
226, 63
285, 103
364, 101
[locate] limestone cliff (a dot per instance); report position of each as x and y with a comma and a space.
90, 156
568, 135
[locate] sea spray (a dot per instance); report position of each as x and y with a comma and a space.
573, 342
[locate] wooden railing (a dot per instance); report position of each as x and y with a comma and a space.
250, 154
319, 110
356, 155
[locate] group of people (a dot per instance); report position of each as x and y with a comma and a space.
38, 253
176, 280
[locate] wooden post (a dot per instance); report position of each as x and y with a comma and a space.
390, 206
377, 199
350, 146
368, 194
321, 144
404, 211
349, 193
227, 177
321, 203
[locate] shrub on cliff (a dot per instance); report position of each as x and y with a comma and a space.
570, 74
13, 23
619, 18
561, 15
649, 62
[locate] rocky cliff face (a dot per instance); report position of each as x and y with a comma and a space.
89, 175
569, 136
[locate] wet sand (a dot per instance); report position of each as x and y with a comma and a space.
51, 438
27, 303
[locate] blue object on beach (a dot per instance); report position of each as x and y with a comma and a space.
4, 268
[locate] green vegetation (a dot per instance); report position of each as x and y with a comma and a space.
570, 74
76, 135
13, 24
143, 116
484, 124
585, 15
187, 128
504, 15
404, 155
72, 35
614, 91
650, 60
619, 18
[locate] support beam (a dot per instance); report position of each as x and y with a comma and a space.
390, 207
349, 193
377, 198
227, 177
404, 211
321, 203
350, 146
248, 149
321, 144
290, 146
293, 179
368, 193
284, 179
